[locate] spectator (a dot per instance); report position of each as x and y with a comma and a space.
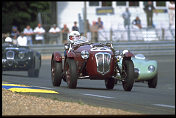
126, 16
22, 40
75, 28
171, 11
94, 32
14, 34
28, 32
137, 23
99, 23
39, 31
149, 9
54, 31
8, 40
65, 32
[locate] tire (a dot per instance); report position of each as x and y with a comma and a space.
152, 83
129, 79
110, 83
32, 72
56, 73
71, 73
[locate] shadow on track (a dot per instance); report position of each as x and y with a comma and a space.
15, 75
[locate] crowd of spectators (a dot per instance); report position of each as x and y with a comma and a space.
31, 36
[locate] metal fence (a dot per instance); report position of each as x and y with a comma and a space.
144, 34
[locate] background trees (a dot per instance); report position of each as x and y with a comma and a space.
22, 13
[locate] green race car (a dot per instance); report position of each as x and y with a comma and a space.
144, 69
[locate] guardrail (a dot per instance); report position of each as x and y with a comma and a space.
144, 47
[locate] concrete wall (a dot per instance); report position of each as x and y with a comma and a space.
68, 13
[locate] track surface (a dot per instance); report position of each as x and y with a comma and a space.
141, 99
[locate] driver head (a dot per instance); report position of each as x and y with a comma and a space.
73, 36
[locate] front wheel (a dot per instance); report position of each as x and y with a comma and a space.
71, 73
152, 83
56, 73
128, 72
110, 83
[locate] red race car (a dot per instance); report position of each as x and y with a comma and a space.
94, 61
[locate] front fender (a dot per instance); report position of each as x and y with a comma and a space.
128, 54
57, 56
71, 54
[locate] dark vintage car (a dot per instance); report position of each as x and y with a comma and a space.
20, 58
94, 61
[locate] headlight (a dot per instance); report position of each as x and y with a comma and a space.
21, 55
151, 68
85, 54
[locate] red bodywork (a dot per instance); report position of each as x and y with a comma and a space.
128, 54
57, 56
90, 68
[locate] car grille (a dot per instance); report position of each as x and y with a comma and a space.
10, 54
103, 60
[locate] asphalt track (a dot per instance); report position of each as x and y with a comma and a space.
141, 99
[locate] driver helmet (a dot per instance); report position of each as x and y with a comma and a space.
73, 36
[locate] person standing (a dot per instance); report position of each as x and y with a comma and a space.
126, 16
149, 9
75, 27
65, 32
14, 34
54, 31
171, 11
94, 32
28, 32
39, 34
99, 23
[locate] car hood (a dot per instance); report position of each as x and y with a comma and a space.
92, 48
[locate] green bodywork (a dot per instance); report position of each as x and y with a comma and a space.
142, 65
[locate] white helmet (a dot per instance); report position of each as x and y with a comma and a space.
73, 36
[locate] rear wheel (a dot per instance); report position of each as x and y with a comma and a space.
152, 83
128, 73
110, 83
71, 73
56, 72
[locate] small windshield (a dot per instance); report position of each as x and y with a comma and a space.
81, 40
139, 56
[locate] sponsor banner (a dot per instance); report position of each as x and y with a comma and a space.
161, 10
104, 10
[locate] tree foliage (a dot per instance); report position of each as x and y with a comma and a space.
22, 13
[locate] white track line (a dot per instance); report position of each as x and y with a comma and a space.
164, 105
98, 96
